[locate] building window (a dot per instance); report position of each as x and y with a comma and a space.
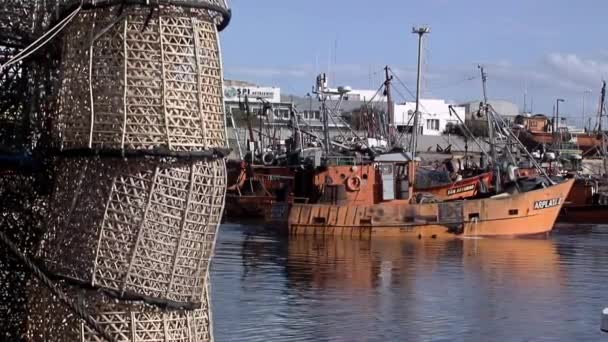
285, 113
317, 115
432, 124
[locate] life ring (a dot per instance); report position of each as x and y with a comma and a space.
268, 158
353, 183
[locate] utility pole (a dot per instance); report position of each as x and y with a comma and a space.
421, 31
390, 108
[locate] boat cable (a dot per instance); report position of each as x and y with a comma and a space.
424, 109
469, 133
332, 116
509, 132
78, 309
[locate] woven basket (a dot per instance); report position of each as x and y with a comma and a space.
141, 228
141, 79
51, 321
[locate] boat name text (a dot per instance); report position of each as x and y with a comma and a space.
546, 204
461, 189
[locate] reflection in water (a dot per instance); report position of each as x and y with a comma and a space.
271, 288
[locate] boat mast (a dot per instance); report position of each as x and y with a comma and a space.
390, 108
421, 31
601, 109
491, 133
245, 106
484, 79
320, 90
599, 126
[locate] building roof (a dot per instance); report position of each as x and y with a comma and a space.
394, 157
312, 104
237, 83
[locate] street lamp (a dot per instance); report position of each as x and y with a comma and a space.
420, 31
556, 122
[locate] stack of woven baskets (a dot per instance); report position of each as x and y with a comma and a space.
141, 182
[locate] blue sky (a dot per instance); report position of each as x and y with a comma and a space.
552, 48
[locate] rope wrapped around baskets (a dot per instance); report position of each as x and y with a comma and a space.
51, 321
217, 9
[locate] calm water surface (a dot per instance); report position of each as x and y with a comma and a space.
271, 288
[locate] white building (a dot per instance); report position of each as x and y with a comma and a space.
254, 93
434, 116
236, 91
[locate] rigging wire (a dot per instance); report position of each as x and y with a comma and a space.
424, 111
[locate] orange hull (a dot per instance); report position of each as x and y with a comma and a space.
527, 213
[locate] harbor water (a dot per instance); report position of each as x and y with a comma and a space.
268, 287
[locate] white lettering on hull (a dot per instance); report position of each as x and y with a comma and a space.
461, 189
546, 204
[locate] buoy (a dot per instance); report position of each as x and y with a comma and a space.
353, 183
605, 320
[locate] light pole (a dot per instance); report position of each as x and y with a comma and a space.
420, 31
556, 123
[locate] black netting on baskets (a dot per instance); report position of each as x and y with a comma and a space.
22, 208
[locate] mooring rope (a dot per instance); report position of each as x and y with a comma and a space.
78, 309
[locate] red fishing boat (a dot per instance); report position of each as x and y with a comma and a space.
462, 189
255, 188
585, 204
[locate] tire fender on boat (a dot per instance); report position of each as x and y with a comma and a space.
353, 183
268, 158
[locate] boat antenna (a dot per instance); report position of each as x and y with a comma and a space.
420, 31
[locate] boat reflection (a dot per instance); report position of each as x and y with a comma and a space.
363, 264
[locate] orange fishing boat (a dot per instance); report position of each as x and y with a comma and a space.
380, 200
255, 188
585, 204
